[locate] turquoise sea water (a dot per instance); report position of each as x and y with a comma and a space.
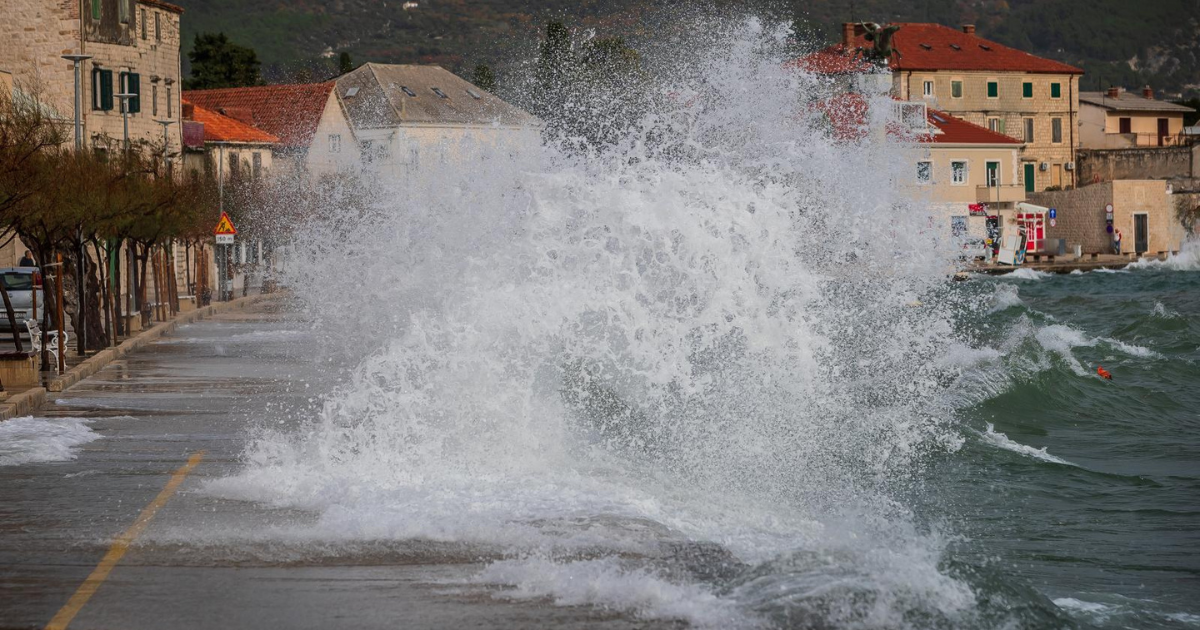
1071, 489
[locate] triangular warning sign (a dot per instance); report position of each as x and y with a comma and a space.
225, 226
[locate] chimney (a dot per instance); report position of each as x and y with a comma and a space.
969, 29
188, 111
847, 34
1114, 92
1147, 92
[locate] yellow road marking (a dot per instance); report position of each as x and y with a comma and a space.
119, 547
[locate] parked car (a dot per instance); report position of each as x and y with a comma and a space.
21, 283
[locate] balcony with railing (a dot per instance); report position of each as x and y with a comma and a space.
1006, 193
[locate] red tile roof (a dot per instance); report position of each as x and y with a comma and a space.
218, 128
290, 112
163, 5
847, 116
936, 47
958, 131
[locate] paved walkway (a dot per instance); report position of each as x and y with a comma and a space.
197, 390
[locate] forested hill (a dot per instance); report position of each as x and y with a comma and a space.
1119, 42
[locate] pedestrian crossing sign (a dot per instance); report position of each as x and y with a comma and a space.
225, 226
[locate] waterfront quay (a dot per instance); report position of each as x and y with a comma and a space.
123, 536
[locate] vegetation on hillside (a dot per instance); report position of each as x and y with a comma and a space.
1115, 41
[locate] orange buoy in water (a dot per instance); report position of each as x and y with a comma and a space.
1104, 374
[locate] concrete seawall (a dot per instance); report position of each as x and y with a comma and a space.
28, 401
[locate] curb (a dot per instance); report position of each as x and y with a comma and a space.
27, 401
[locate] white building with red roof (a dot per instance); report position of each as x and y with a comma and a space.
1008, 91
214, 142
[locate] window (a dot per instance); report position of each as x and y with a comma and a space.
1055, 90
1126, 125
154, 100
407, 91
439, 92
169, 114
1056, 130
235, 169
123, 11
131, 83
255, 165
143, 25
958, 172
993, 89
96, 10
157, 26
1028, 130
928, 88
956, 89
1027, 90
102, 89
335, 143
993, 173
996, 124
924, 172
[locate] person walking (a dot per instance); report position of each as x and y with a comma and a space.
27, 260
1117, 241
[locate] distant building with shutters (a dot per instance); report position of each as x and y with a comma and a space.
134, 46
1029, 98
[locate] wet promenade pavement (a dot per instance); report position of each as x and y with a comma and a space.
197, 391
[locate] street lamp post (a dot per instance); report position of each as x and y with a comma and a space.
78, 60
166, 143
125, 96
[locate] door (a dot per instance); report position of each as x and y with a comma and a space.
1030, 177
1141, 233
1126, 125
1056, 175
1163, 131
1035, 230
993, 174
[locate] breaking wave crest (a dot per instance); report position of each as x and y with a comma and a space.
727, 331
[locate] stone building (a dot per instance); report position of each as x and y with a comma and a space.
216, 144
1143, 210
134, 46
1118, 119
1029, 98
406, 118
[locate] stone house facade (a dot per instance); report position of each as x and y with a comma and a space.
134, 46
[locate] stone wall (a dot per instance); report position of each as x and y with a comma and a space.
1105, 165
1081, 219
35, 35
1080, 216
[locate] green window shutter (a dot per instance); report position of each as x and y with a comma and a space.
1027, 90
956, 89
1055, 90
106, 90
993, 89
96, 10
134, 85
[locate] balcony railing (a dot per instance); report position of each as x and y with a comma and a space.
1006, 193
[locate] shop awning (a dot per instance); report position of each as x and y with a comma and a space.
1028, 207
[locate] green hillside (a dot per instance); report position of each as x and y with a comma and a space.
1115, 41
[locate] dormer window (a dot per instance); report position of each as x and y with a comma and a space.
956, 46
926, 46
439, 92
985, 47
404, 88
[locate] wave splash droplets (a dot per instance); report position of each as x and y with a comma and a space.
706, 328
